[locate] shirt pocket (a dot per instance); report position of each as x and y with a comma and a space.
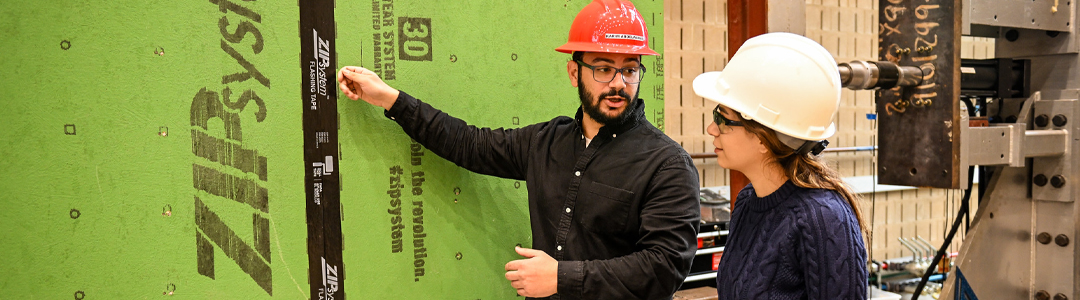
606, 210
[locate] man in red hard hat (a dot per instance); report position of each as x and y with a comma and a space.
613, 201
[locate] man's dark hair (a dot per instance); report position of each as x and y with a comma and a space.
578, 56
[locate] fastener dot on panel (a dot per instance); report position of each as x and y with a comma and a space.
513, 56
453, 58
163, 131
457, 191
169, 289
159, 51
79, 295
65, 44
74, 214
69, 129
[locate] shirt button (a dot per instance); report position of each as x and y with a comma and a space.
577, 173
392, 118
567, 210
559, 248
613, 135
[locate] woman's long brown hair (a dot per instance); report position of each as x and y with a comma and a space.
805, 170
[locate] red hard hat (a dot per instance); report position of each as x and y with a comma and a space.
612, 26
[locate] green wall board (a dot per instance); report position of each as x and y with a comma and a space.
110, 184
89, 91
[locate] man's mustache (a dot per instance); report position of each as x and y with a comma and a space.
613, 93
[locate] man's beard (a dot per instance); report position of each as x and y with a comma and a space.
593, 109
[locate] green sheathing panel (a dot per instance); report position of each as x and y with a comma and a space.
131, 71
102, 157
491, 63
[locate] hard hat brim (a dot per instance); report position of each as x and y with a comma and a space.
571, 47
707, 85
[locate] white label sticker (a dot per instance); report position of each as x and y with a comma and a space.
616, 36
321, 168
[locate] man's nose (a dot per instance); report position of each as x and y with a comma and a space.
618, 82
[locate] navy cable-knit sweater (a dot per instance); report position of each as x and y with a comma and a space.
795, 243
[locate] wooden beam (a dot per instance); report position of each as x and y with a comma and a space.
746, 19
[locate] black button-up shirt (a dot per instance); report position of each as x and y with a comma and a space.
620, 215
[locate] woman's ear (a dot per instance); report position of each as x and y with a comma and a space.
760, 144
761, 148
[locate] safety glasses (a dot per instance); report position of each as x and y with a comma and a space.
723, 123
605, 74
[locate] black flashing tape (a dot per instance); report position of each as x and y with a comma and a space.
326, 272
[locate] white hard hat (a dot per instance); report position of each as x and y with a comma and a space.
783, 81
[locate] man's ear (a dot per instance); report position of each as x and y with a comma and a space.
572, 71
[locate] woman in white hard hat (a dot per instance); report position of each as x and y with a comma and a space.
795, 232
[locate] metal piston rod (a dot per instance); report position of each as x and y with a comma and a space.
867, 75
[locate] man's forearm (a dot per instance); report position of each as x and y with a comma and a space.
486, 151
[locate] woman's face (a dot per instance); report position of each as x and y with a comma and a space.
736, 148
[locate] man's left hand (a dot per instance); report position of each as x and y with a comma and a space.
535, 276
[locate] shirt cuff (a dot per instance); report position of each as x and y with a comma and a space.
404, 103
571, 278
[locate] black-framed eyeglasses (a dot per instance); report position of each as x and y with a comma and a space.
723, 123
605, 74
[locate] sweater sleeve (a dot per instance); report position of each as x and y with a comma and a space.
831, 249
